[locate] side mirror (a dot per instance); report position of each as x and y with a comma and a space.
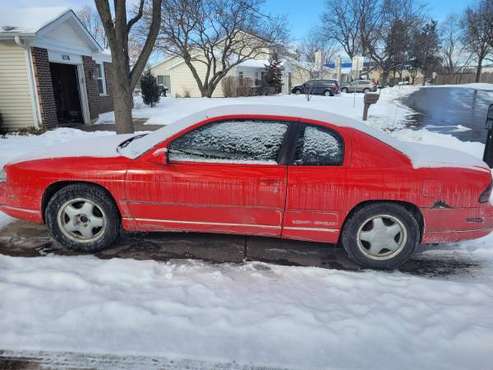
161, 155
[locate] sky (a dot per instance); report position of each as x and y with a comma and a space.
302, 15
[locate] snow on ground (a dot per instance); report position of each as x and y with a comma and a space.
474, 85
170, 109
254, 313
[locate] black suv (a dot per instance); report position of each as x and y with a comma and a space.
318, 87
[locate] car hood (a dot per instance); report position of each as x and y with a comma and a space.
97, 147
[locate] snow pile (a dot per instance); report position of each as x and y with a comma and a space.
298, 317
475, 85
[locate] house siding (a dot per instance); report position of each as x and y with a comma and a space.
15, 91
181, 78
44, 86
97, 103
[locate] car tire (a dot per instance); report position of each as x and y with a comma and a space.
83, 217
297, 92
380, 236
345, 90
366, 90
328, 93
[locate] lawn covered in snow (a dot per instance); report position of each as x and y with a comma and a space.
254, 313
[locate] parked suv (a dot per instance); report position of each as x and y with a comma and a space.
363, 86
318, 87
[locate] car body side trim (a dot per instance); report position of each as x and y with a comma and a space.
6, 207
203, 223
311, 229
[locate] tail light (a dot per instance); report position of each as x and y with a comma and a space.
485, 195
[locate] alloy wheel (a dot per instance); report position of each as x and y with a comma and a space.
381, 237
81, 220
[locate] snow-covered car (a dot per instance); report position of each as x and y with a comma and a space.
273, 171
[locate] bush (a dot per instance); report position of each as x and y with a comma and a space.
229, 86
234, 87
150, 89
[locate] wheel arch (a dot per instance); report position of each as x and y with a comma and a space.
53, 188
412, 208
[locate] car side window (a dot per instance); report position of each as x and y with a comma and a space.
319, 146
241, 141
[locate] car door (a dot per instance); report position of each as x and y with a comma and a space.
222, 177
318, 87
316, 185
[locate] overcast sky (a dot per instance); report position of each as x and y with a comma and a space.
302, 15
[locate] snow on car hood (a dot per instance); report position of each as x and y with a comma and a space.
420, 155
97, 147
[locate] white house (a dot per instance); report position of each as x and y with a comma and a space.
52, 71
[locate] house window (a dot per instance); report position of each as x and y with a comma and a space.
163, 80
101, 80
240, 74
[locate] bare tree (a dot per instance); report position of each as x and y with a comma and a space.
386, 32
427, 49
486, 7
340, 22
117, 29
214, 36
453, 50
91, 20
475, 25
317, 43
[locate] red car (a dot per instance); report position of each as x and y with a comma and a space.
283, 172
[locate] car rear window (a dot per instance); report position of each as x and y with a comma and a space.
319, 146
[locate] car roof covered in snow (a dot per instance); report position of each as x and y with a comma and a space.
420, 155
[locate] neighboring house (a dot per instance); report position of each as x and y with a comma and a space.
52, 71
173, 74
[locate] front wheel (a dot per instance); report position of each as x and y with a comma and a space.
297, 92
328, 93
381, 236
83, 217
345, 90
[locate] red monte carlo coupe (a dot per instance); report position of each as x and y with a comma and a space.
286, 172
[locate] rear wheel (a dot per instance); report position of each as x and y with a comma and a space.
344, 90
83, 217
381, 236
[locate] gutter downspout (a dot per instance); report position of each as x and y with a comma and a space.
34, 91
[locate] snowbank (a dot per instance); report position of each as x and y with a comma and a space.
476, 86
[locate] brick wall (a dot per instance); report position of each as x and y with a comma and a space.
44, 87
97, 104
